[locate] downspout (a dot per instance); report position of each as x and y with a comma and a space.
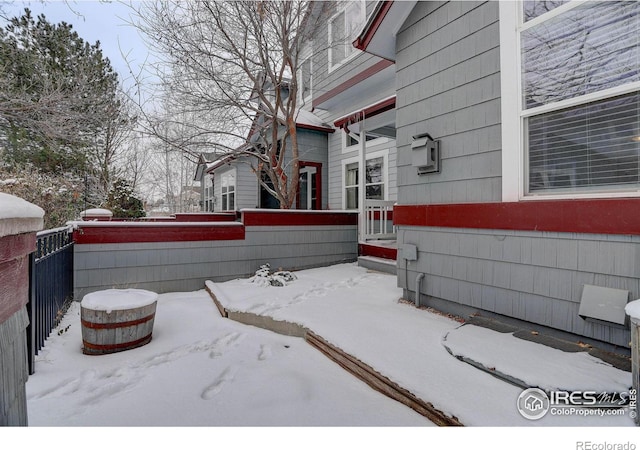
362, 193
419, 278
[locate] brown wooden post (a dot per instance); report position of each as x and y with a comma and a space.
19, 222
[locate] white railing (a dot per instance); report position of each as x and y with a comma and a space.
378, 219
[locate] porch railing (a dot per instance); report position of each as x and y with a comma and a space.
50, 286
378, 216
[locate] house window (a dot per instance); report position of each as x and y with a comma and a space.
228, 196
343, 29
579, 85
304, 80
375, 180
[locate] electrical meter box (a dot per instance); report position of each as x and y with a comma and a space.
425, 154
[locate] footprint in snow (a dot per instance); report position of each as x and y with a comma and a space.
215, 388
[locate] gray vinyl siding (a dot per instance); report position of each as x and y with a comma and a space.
537, 277
323, 80
185, 266
448, 85
448, 81
246, 193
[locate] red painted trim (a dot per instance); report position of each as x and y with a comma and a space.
318, 177
297, 218
599, 216
365, 38
371, 111
16, 245
205, 217
377, 67
126, 233
315, 128
377, 251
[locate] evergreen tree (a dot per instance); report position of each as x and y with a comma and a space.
122, 203
57, 92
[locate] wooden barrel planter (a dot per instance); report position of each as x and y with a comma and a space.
116, 320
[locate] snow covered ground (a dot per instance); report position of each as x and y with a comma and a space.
201, 370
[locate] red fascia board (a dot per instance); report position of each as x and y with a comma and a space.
297, 218
156, 233
371, 111
377, 67
305, 126
205, 217
595, 216
365, 38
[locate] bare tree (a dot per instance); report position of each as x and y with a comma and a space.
232, 68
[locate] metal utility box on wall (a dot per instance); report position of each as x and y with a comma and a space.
601, 304
425, 154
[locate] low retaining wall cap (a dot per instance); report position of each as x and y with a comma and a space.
18, 216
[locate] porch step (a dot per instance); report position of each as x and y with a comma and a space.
378, 264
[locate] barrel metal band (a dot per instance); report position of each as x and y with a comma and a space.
130, 344
108, 326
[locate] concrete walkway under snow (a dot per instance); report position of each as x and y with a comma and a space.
453, 371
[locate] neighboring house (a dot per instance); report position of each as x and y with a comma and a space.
235, 183
205, 160
534, 212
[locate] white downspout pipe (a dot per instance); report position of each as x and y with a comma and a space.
362, 194
419, 278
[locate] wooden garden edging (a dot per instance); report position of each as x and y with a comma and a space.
348, 362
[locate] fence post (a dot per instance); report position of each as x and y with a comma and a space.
31, 309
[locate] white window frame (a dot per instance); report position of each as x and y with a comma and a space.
224, 196
514, 162
306, 55
333, 65
384, 154
356, 147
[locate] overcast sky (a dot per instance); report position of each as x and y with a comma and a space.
104, 21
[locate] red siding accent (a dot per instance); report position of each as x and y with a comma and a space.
297, 218
377, 67
377, 251
600, 216
156, 233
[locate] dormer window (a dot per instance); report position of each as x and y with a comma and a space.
343, 29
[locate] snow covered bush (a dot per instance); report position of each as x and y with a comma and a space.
264, 277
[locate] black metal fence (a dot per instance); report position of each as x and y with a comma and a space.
51, 286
